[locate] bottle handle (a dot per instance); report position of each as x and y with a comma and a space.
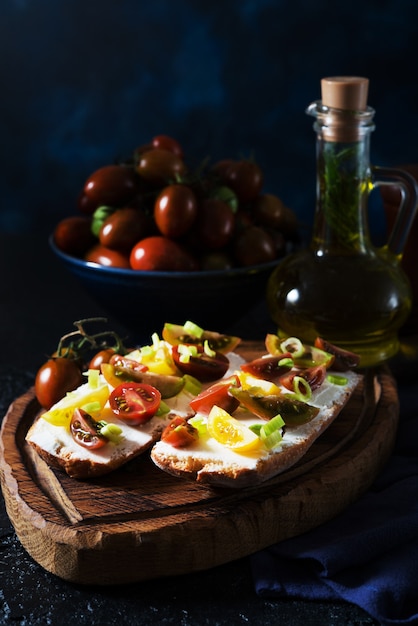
407, 208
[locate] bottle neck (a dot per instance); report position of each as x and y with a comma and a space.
343, 185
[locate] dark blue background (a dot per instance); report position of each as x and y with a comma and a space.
83, 82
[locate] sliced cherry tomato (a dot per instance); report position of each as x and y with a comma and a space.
270, 368
343, 359
55, 378
176, 334
314, 376
218, 394
135, 403
85, 430
124, 362
202, 366
292, 410
179, 433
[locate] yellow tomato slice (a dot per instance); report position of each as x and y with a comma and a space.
61, 413
263, 386
230, 432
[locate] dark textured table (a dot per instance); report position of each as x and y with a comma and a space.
39, 303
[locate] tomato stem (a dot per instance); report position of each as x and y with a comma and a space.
85, 341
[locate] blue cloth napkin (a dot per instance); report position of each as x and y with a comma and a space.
368, 555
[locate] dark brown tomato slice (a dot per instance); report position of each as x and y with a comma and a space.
271, 368
134, 403
85, 432
112, 185
202, 366
160, 167
158, 253
253, 246
215, 224
123, 229
73, 235
343, 359
219, 394
175, 210
55, 378
179, 433
176, 334
314, 376
108, 258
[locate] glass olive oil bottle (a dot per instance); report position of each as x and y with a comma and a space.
343, 288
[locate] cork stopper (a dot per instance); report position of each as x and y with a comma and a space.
348, 93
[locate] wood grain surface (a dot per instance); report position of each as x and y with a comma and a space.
139, 523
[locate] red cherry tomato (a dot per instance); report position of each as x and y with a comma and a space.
203, 367
73, 235
135, 403
84, 430
160, 167
54, 378
175, 210
179, 433
112, 185
270, 211
253, 246
109, 258
244, 177
216, 394
123, 228
159, 253
167, 143
214, 224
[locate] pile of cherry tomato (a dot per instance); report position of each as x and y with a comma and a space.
153, 212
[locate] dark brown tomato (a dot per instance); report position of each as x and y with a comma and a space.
112, 185
55, 378
215, 224
270, 211
165, 142
253, 246
216, 260
109, 258
160, 253
175, 210
160, 167
102, 356
73, 235
123, 229
85, 204
245, 178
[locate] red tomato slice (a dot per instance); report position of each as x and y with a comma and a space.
202, 366
270, 368
134, 403
84, 430
179, 433
217, 394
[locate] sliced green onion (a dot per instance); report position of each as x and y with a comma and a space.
92, 407
93, 378
110, 431
256, 428
302, 388
208, 350
191, 384
269, 427
200, 424
186, 352
286, 362
293, 345
147, 351
337, 380
193, 329
163, 409
273, 440
155, 340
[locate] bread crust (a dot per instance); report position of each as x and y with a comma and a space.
225, 469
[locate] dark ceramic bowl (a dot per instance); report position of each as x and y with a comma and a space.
143, 301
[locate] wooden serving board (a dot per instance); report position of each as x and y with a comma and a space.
140, 523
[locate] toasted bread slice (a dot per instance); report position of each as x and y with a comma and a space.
210, 462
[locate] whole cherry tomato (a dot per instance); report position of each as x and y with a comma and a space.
103, 356
159, 253
270, 211
85, 431
54, 378
253, 246
73, 235
123, 228
160, 167
244, 177
85, 204
112, 185
165, 142
175, 210
214, 224
109, 258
